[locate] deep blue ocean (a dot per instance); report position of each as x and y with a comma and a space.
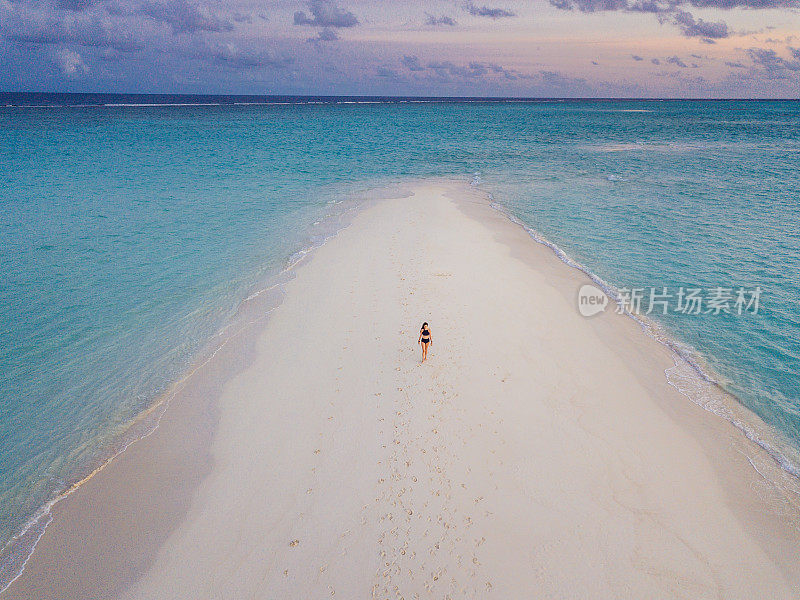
130, 233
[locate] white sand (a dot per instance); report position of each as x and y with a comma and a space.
537, 454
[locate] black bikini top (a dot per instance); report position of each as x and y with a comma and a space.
425, 332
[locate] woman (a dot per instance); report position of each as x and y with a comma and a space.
425, 340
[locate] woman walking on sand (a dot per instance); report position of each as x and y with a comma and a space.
425, 340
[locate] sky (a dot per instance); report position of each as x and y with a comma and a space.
533, 48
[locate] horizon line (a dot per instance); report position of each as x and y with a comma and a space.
394, 98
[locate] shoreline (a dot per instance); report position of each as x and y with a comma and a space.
266, 295
724, 403
196, 474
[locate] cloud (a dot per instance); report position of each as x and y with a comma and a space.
692, 27
325, 35
559, 80
590, 5
667, 6
325, 13
239, 17
70, 62
445, 68
75, 5
448, 70
734, 65
476, 70
669, 11
386, 73
674, 60
328, 35
411, 63
90, 31
186, 17
776, 66
436, 21
755, 4
486, 11
655, 61
636, 58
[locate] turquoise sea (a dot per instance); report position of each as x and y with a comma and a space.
130, 233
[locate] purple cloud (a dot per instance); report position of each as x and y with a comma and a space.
558, 79
448, 70
327, 35
70, 62
411, 63
667, 6
386, 73
486, 11
324, 13
83, 30
776, 66
692, 27
186, 17
674, 60
669, 11
75, 5
435, 21
591, 5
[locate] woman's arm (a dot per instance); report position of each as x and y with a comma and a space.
419, 339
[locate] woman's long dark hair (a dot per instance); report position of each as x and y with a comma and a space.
425, 324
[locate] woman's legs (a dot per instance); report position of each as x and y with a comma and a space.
425, 350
